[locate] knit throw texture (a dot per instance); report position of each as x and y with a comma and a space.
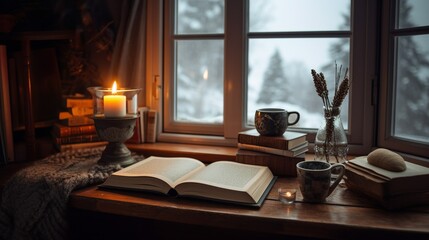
34, 200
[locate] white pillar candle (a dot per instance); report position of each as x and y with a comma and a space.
115, 105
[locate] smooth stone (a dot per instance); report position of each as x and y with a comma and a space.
386, 159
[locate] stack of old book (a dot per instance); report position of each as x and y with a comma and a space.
279, 153
75, 128
77, 111
392, 190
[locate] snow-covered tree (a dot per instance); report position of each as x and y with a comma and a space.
275, 84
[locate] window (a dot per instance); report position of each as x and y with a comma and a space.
284, 45
220, 55
195, 67
405, 99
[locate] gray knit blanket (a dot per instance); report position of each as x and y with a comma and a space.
34, 200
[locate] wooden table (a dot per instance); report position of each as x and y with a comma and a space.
345, 215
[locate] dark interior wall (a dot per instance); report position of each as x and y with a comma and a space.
95, 23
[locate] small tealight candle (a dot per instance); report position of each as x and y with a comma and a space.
115, 105
287, 196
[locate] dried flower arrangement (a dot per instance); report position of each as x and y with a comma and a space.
341, 89
331, 109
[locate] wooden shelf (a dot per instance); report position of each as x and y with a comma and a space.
25, 39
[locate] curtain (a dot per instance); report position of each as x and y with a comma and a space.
128, 60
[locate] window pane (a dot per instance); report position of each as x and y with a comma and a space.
199, 17
199, 78
280, 75
302, 15
412, 13
411, 115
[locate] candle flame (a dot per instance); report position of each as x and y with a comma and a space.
114, 88
288, 194
206, 74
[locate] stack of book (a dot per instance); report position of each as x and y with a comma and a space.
75, 137
78, 112
279, 153
392, 190
75, 128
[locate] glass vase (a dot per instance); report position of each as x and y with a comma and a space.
331, 140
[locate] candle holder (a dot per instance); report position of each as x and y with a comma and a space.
98, 94
116, 130
287, 195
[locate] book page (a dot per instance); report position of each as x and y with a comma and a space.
229, 175
167, 169
228, 181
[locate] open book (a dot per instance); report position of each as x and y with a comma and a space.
222, 181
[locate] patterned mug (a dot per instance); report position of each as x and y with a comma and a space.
314, 179
273, 121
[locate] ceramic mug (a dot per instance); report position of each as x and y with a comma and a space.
273, 121
314, 179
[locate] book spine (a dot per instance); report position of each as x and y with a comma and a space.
77, 139
79, 102
275, 151
77, 121
151, 126
74, 146
143, 111
263, 141
280, 152
136, 138
81, 111
64, 131
279, 165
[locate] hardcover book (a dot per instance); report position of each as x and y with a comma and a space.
287, 141
143, 112
219, 181
279, 165
60, 130
296, 151
77, 139
151, 126
140, 129
136, 138
77, 121
392, 202
391, 189
387, 183
78, 102
74, 146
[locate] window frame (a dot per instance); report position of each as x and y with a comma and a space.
363, 68
385, 135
